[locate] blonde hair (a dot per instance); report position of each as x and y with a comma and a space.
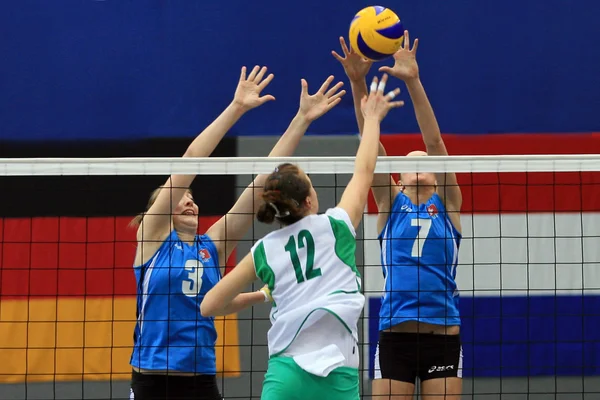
137, 220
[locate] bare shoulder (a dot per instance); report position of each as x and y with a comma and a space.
382, 219
384, 210
453, 213
147, 247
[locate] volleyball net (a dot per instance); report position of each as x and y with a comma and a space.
528, 274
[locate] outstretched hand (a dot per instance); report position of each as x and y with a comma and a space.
247, 95
355, 66
316, 105
405, 61
376, 105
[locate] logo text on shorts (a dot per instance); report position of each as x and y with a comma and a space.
440, 368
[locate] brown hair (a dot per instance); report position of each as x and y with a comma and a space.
284, 194
137, 220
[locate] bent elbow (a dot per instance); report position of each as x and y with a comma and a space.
366, 173
206, 310
434, 145
190, 152
367, 167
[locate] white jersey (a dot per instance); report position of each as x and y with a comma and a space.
310, 267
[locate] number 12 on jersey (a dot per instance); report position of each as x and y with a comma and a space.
424, 226
305, 239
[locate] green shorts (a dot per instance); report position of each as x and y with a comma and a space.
285, 380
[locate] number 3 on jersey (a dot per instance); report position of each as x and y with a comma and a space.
304, 239
192, 284
424, 226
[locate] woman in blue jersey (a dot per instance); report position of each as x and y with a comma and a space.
309, 266
419, 225
174, 346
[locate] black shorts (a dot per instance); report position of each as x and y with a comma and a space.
405, 356
173, 387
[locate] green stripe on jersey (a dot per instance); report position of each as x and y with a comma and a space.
345, 243
306, 319
264, 272
344, 292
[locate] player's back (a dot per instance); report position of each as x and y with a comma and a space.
310, 267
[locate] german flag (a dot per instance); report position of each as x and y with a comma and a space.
67, 288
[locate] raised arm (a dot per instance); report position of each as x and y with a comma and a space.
406, 68
157, 221
231, 228
374, 108
356, 69
383, 187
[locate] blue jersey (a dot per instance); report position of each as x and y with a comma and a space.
170, 333
419, 255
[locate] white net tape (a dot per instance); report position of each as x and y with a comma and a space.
312, 165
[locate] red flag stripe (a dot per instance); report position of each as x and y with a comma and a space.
516, 192
50, 256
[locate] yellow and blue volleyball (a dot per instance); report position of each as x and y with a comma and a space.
376, 33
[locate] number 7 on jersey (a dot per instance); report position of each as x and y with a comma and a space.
424, 226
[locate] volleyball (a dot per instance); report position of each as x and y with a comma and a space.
376, 33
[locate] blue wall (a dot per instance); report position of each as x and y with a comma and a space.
154, 68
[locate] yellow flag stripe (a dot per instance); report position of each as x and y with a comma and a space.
68, 339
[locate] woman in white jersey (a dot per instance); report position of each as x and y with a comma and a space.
309, 267
420, 236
